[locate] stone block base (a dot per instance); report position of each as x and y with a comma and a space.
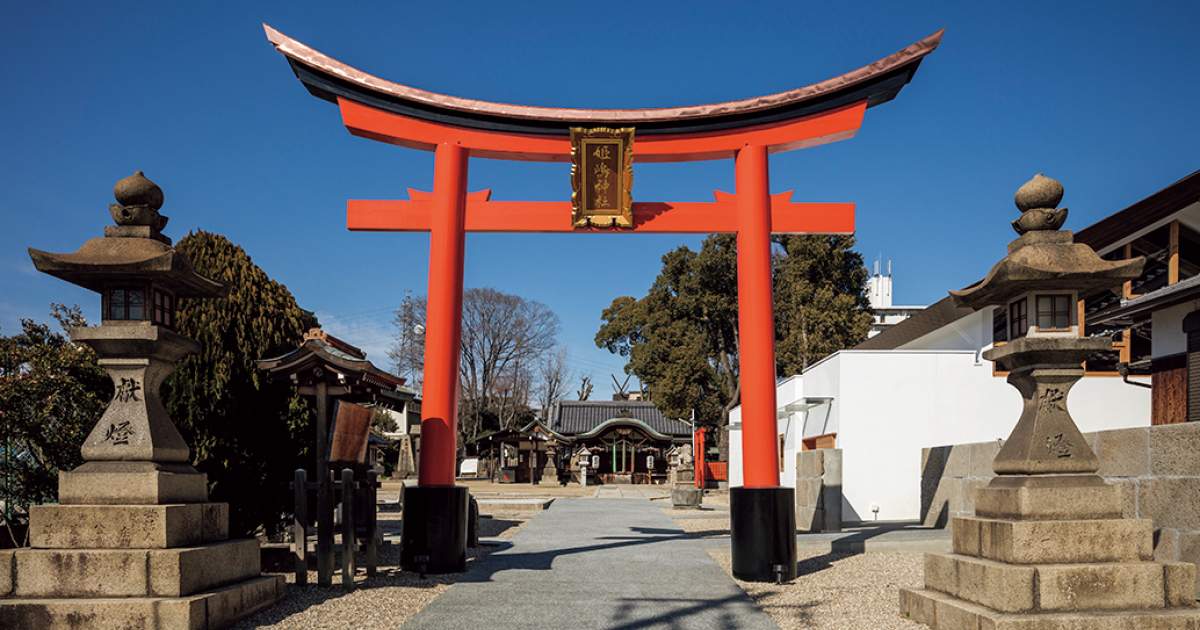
1049, 497
944, 612
686, 496
1021, 588
132, 483
99, 573
127, 526
1030, 542
208, 610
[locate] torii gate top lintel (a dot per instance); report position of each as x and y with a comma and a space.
382, 110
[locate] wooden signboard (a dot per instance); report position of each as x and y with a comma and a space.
349, 434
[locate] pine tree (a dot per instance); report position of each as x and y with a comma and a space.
246, 432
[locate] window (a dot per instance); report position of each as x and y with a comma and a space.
782, 443
126, 304
1018, 319
164, 309
1054, 312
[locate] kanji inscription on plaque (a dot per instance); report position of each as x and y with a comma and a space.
602, 177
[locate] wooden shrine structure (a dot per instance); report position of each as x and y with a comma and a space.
747, 131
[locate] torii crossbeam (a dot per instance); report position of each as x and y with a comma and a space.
456, 129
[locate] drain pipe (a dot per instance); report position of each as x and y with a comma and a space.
1123, 370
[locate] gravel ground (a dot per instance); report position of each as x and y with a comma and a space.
839, 591
384, 602
834, 591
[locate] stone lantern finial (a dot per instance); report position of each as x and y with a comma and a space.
1038, 201
136, 210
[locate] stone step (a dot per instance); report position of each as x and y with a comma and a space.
54, 573
1021, 588
940, 611
531, 505
127, 526
1054, 542
209, 610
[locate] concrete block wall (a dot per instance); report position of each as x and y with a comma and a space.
819, 490
1157, 469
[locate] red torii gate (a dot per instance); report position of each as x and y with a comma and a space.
747, 131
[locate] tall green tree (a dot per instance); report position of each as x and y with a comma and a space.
681, 339
51, 395
820, 303
246, 432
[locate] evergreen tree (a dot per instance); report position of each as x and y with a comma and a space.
820, 303
246, 432
681, 339
51, 395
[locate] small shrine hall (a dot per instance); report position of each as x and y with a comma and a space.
624, 441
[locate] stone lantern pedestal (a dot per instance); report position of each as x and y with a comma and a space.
1048, 548
134, 543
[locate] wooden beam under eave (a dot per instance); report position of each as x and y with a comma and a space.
1127, 289
1173, 265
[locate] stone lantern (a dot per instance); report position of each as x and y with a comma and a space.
139, 277
1048, 547
134, 541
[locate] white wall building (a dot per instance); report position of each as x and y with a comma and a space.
882, 405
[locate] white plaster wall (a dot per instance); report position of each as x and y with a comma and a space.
900, 402
735, 469
1167, 324
735, 447
888, 405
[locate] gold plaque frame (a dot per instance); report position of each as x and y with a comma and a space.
602, 177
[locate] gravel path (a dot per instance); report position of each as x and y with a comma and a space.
838, 591
384, 602
834, 591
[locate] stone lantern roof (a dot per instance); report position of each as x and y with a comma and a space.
133, 250
1044, 257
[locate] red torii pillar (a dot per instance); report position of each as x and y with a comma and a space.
455, 129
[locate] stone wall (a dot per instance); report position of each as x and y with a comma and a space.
819, 490
1157, 468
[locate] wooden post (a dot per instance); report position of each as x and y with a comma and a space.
300, 526
371, 524
347, 528
1127, 288
324, 489
1173, 251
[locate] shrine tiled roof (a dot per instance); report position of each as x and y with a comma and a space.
572, 417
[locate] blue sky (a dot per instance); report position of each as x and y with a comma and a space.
1099, 95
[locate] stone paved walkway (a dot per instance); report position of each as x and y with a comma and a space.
584, 564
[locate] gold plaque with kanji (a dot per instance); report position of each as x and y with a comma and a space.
602, 177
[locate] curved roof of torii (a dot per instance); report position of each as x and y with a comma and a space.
330, 79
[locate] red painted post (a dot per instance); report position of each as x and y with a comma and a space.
756, 319
443, 323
